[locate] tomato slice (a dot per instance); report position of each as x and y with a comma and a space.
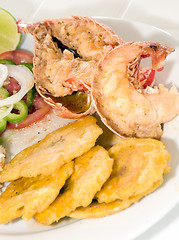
12, 85
41, 109
17, 56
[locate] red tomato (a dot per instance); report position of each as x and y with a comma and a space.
41, 109
17, 56
12, 85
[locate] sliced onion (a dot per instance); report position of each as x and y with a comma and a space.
26, 80
4, 111
3, 73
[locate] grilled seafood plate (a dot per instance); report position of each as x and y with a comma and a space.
124, 105
65, 59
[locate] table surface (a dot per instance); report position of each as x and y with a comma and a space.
159, 13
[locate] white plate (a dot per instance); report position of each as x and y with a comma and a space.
136, 219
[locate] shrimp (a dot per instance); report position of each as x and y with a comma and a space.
66, 55
123, 104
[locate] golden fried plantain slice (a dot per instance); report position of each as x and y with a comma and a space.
56, 149
138, 164
95, 209
27, 196
91, 171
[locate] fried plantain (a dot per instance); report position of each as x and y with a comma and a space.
27, 196
56, 149
96, 209
92, 169
138, 164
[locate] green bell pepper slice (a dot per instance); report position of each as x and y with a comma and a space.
28, 65
30, 97
7, 61
3, 93
3, 124
18, 117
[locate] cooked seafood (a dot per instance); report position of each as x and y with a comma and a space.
139, 164
92, 169
27, 196
66, 55
124, 106
56, 149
